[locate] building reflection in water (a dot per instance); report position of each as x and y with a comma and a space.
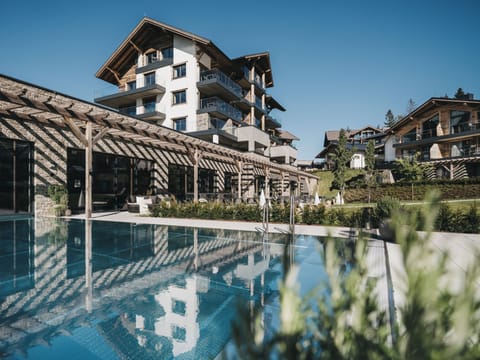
139, 290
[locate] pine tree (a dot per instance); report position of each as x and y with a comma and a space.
342, 158
411, 105
389, 119
460, 94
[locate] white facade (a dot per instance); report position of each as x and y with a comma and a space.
357, 161
183, 53
389, 150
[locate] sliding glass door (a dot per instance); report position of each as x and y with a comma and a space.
16, 191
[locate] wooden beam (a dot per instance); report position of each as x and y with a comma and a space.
99, 135
114, 74
135, 46
88, 172
76, 130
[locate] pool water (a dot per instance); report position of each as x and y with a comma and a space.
104, 290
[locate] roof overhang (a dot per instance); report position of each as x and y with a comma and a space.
260, 61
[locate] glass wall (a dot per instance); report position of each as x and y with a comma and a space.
459, 121
16, 185
115, 178
180, 181
430, 127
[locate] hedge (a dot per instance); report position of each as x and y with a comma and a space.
466, 221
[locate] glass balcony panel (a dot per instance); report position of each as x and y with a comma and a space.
217, 75
128, 110
216, 105
149, 107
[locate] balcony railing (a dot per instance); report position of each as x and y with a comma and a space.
215, 105
128, 110
218, 76
464, 128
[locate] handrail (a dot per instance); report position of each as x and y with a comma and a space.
266, 216
291, 224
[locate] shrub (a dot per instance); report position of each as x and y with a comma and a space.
472, 220
444, 218
314, 215
384, 208
59, 195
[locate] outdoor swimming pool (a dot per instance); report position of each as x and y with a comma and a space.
105, 290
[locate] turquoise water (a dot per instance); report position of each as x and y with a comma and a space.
70, 290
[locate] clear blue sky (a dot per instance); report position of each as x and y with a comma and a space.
335, 64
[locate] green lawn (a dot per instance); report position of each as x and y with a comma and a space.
326, 179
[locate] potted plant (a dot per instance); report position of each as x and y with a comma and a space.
59, 195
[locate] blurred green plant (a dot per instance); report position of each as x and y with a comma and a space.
341, 319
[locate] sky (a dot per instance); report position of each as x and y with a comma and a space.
335, 64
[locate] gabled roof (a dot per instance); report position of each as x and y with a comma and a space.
146, 30
261, 61
368, 127
431, 104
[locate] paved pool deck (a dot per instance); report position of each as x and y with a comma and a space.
384, 260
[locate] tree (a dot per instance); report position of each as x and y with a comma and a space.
389, 119
370, 165
342, 157
411, 105
370, 156
409, 169
460, 94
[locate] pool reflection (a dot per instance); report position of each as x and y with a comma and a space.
139, 291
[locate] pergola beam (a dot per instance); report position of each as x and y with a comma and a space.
76, 130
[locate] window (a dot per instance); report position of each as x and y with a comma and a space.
179, 333
459, 121
430, 127
410, 136
151, 57
179, 71
149, 104
180, 124
167, 53
179, 307
179, 97
131, 85
150, 79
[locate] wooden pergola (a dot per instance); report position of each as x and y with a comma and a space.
90, 122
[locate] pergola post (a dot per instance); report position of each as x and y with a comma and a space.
88, 171
195, 175
267, 181
240, 168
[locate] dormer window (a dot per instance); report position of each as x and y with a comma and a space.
151, 57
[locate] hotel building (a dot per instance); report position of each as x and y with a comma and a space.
184, 120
